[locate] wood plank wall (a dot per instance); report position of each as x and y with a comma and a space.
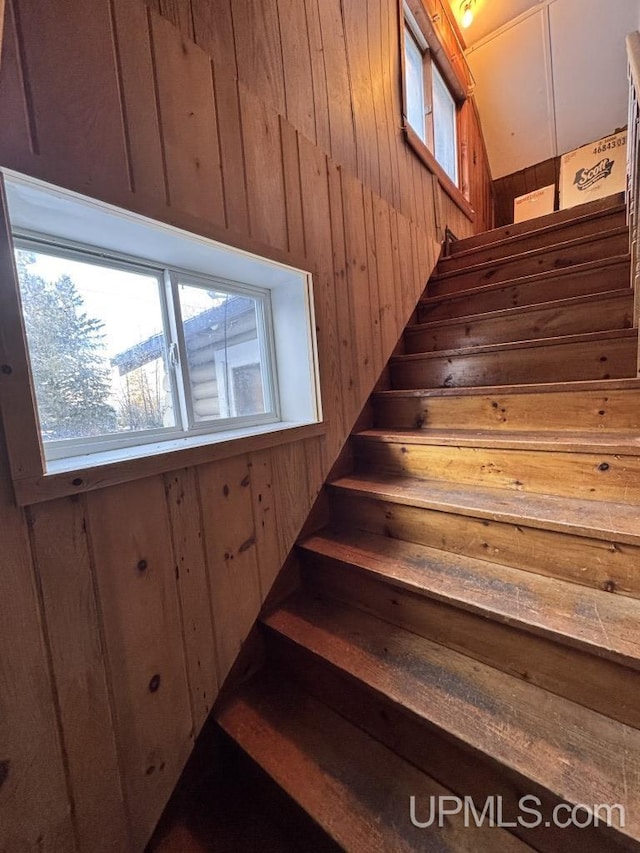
273, 125
526, 180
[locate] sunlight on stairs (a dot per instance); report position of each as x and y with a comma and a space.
467, 623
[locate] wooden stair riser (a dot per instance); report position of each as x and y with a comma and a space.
567, 613
544, 238
528, 229
614, 312
600, 564
597, 278
610, 358
589, 476
606, 411
529, 263
592, 681
463, 770
526, 242
568, 749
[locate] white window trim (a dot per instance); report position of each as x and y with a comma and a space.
294, 381
424, 108
435, 72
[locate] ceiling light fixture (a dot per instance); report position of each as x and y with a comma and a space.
466, 12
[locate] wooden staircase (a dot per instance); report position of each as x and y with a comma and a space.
468, 621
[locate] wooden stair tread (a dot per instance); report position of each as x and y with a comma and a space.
587, 266
532, 253
559, 304
543, 226
557, 218
596, 519
601, 623
578, 754
352, 785
604, 385
617, 334
622, 443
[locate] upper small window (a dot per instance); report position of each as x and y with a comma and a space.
140, 336
431, 109
445, 136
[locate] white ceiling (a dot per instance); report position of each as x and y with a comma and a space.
550, 74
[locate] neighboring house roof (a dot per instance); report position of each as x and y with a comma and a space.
153, 347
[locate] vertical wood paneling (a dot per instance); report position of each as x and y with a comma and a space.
429, 212
374, 291
317, 227
345, 309
318, 76
34, 800
213, 28
291, 485
390, 86
389, 314
135, 66
341, 119
17, 138
230, 541
77, 658
407, 274
358, 279
314, 450
183, 500
296, 58
265, 517
421, 266
179, 13
401, 306
69, 137
189, 123
265, 180
2, 9
232, 153
293, 189
357, 50
135, 576
259, 50
376, 75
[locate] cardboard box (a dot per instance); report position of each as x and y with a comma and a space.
594, 171
536, 203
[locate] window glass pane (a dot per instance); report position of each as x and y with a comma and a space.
444, 126
414, 80
247, 389
96, 345
224, 353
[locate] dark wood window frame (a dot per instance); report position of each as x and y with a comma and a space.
437, 55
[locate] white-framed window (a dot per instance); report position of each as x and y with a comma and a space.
445, 121
142, 337
431, 109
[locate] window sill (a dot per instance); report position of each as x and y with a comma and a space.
428, 160
109, 469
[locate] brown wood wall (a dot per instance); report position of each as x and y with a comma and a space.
273, 125
525, 181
